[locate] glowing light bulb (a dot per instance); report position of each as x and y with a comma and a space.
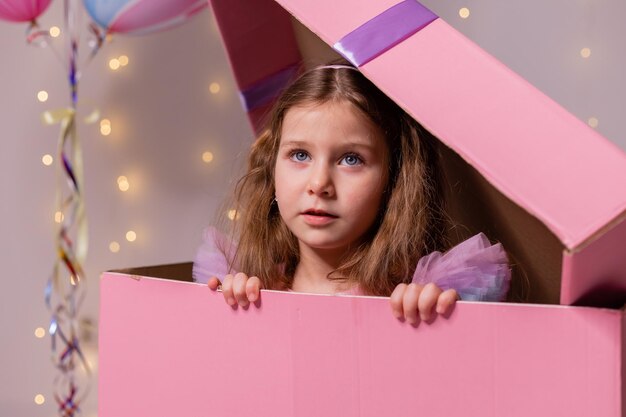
39, 399
40, 332
114, 247
123, 60
233, 214
464, 12
585, 52
55, 31
131, 236
214, 88
114, 64
593, 122
105, 127
42, 96
122, 183
47, 160
58, 217
207, 157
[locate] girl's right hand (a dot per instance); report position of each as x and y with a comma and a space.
238, 289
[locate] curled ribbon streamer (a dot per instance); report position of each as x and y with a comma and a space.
65, 290
39, 37
67, 280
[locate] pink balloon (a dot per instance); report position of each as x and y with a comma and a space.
22, 10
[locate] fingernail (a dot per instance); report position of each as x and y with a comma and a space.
252, 297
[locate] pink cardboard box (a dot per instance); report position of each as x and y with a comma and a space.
524, 170
172, 348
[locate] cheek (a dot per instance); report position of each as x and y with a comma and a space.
365, 196
286, 182
279, 179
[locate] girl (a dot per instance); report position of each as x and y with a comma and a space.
343, 194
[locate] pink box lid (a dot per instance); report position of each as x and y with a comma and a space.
542, 158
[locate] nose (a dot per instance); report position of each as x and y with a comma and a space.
321, 181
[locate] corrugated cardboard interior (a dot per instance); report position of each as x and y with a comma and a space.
534, 252
175, 272
476, 206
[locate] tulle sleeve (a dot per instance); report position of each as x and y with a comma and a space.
475, 268
211, 260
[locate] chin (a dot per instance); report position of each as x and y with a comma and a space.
324, 244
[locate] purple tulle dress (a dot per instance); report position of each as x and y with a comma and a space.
476, 269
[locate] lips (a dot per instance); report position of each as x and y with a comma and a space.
316, 218
319, 213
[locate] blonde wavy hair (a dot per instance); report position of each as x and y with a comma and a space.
411, 221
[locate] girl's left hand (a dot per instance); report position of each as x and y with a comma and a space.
408, 301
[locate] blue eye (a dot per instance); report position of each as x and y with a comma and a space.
351, 160
299, 156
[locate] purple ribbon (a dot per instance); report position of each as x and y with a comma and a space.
267, 89
384, 31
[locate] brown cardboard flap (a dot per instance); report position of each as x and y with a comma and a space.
535, 254
176, 272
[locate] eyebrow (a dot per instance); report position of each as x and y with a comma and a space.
292, 142
296, 142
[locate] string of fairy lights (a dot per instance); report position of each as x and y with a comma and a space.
106, 127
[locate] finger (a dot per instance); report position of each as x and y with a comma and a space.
213, 283
410, 302
227, 290
253, 289
239, 289
446, 300
395, 301
428, 300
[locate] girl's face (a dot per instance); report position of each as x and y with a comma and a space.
331, 171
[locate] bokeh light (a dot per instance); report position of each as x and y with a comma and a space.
214, 88
105, 127
122, 183
47, 160
123, 60
42, 96
114, 64
233, 214
207, 157
131, 236
114, 247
